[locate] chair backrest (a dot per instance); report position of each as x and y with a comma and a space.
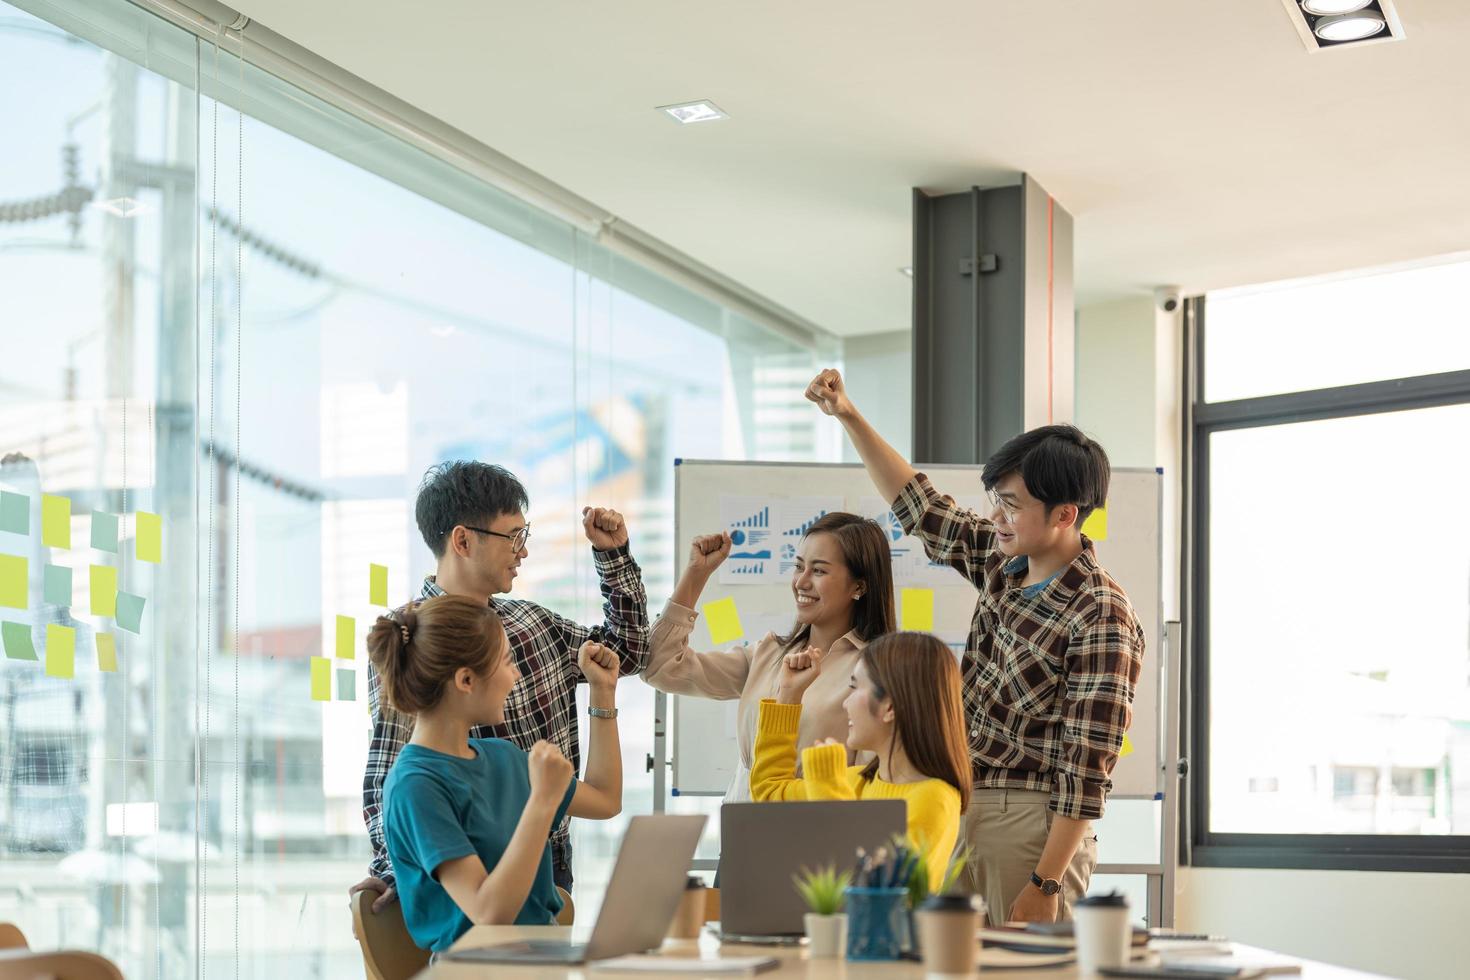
712, 905
25, 964
388, 951
11, 937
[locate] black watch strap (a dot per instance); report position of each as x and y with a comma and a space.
1048, 886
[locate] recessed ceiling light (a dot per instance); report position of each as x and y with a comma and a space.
695, 112
1328, 8
1349, 27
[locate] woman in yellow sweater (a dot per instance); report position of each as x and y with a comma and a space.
904, 705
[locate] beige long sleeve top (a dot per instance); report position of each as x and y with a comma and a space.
749, 672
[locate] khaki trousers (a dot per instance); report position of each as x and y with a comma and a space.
1006, 831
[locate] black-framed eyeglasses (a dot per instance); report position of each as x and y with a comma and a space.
517, 538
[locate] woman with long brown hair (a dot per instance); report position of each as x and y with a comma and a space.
904, 705
842, 588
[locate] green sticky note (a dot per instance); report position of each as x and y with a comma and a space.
104, 590
346, 684
724, 621
148, 544
104, 531
917, 610
13, 571
130, 612
378, 585
106, 652
346, 636
321, 679
15, 513
1096, 525
57, 585
56, 521
18, 642
61, 651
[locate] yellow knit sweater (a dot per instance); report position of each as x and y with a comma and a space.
933, 804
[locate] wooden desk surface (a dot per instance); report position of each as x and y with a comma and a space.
794, 962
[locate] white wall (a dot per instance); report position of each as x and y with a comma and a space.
879, 371
1399, 924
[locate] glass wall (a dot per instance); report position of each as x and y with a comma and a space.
232, 344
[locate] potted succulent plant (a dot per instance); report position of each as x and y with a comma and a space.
826, 924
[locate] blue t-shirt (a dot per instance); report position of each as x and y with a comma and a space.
440, 807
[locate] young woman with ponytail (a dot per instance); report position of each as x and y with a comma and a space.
466, 819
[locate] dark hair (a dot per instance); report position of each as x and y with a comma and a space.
1059, 465
464, 491
920, 674
865, 553
442, 634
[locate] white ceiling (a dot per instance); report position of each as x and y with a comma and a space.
1196, 142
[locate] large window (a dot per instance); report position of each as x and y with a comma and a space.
262, 328
1331, 583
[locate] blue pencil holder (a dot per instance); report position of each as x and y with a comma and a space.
877, 923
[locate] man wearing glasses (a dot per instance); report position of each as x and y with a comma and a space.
472, 517
1052, 660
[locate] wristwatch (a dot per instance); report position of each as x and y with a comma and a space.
602, 712
1048, 886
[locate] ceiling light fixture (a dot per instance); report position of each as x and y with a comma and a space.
1324, 25
1329, 8
695, 112
1349, 27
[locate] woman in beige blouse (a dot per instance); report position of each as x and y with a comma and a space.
842, 588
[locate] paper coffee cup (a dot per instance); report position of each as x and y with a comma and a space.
947, 926
1103, 930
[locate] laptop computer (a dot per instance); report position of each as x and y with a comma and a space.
763, 845
642, 897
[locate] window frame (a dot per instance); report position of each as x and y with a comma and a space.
1205, 847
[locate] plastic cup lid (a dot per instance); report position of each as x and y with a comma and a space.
1105, 901
952, 903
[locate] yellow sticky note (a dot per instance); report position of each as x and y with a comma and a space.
106, 652
378, 585
346, 637
1127, 749
1096, 525
149, 542
13, 572
104, 590
56, 521
321, 679
61, 651
724, 621
917, 610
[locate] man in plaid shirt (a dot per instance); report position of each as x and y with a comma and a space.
1052, 660
472, 516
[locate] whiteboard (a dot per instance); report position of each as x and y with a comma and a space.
706, 495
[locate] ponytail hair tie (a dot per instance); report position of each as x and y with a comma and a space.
403, 630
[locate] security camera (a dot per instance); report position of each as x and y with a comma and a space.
1167, 298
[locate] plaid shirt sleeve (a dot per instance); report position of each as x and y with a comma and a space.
951, 534
625, 614
1104, 659
391, 731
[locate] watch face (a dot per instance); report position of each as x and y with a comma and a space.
1050, 886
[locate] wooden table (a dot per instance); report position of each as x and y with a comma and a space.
794, 962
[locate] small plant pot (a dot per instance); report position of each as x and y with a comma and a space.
826, 935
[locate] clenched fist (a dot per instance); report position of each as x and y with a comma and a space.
599, 665
604, 527
550, 773
798, 671
708, 552
830, 394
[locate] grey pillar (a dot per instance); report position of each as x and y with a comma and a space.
993, 319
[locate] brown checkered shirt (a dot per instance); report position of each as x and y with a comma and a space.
1049, 674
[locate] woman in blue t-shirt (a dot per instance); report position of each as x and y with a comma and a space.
467, 820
